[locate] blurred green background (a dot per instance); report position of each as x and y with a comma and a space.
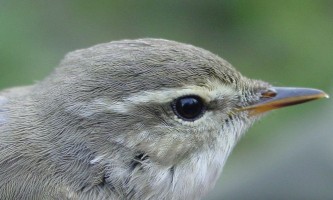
287, 155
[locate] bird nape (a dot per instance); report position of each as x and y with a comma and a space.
131, 119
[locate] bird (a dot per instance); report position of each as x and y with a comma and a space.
130, 119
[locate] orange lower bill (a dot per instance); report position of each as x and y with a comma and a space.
278, 97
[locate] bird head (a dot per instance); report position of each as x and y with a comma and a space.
163, 103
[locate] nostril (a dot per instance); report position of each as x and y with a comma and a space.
270, 93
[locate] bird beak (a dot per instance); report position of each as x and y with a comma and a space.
278, 97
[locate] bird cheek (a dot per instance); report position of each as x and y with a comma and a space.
164, 154
169, 149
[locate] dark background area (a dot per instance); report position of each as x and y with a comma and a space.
287, 155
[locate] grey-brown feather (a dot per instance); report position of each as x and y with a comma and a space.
59, 140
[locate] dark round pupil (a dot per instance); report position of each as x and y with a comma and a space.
189, 108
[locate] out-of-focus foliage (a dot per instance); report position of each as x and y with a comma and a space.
288, 43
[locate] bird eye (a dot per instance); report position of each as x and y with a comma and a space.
188, 108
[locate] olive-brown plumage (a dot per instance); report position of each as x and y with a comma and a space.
132, 119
